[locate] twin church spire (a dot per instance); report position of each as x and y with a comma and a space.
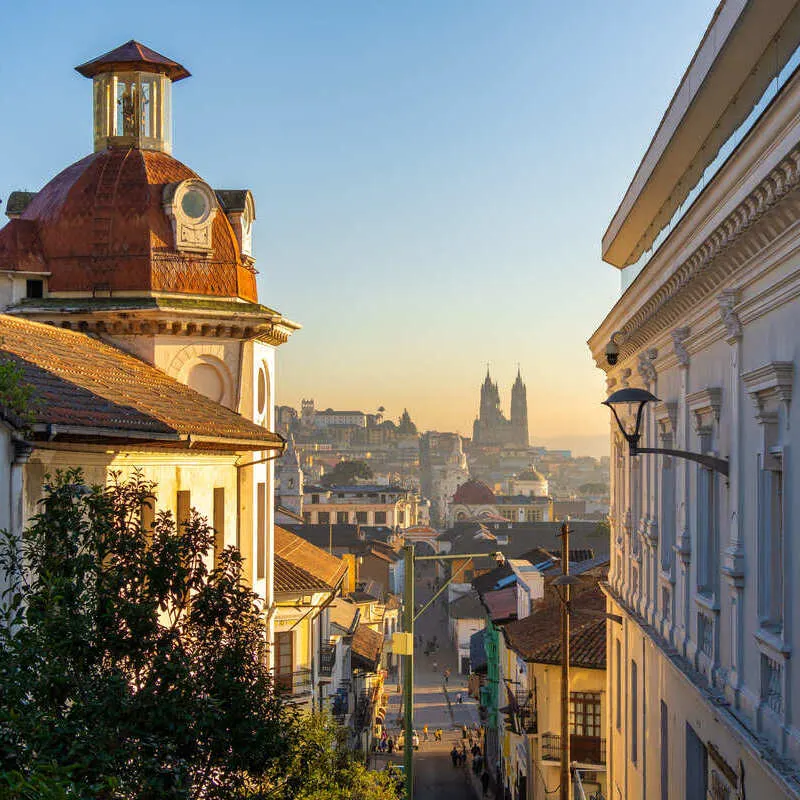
491, 427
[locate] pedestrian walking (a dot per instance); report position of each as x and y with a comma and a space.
459, 701
464, 731
485, 782
454, 756
424, 733
390, 744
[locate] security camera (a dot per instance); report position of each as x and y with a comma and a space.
612, 353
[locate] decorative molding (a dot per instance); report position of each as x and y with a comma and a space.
625, 375
752, 226
667, 417
730, 319
679, 337
704, 401
610, 384
646, 368
768, 384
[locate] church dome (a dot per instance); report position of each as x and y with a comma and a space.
531, 475
473, 493
102, 224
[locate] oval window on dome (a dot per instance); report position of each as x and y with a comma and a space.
194, 204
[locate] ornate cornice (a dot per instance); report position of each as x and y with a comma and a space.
646, 367
679, 337
756, 221
730, 319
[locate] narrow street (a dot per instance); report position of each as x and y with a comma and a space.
435, 776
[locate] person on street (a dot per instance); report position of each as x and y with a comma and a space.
424, 733
463, 731
435, 667
454, 756
390, 744
485, 782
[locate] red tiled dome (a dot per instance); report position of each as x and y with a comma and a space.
474, 493
100, 224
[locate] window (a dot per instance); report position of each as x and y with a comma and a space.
324, 517
380, 517
261, 529
342, 517
619, 683
707, 530
770, 543
284, 659
219, 523
634, 712
533, 515
307, 517
34, 289
361, 517
667, 526
584, 713
314, 499
183, 504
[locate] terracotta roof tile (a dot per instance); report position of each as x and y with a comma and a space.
82, 383
537, 637
322, 569
366, 648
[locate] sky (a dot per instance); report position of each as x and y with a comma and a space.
432, 177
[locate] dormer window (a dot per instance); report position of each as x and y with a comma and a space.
240, 209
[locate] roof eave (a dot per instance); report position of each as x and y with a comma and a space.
727, 76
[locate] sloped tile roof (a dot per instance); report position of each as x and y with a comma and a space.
89, 389
304, 566
537, 637
501, 604
366, 648
467, 606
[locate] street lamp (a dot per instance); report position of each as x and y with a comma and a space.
409, 617
643, 397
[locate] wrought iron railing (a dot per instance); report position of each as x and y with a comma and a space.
526, 713
327, 660
583, 749
295, 684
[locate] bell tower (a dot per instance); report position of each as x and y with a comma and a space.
133, 97
519, 412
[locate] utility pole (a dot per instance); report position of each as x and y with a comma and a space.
565, 611
408, 671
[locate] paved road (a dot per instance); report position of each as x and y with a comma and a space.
436, 778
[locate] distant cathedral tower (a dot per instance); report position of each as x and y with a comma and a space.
519, 411
491, 427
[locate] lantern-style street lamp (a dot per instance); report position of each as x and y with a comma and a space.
643, 397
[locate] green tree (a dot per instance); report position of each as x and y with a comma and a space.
130, 670
346, 472
109, 671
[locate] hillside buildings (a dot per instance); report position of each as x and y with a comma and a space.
702, 682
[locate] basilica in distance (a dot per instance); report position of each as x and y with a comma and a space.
491, 428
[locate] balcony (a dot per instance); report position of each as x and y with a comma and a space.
583, 749
526, 713
296, 686
327, 660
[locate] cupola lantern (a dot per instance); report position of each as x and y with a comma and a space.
133, 97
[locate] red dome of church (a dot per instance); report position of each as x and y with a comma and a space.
100, 225
474, 493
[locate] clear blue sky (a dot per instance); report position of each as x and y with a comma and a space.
432, 177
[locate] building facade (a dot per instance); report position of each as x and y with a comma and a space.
702, 685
